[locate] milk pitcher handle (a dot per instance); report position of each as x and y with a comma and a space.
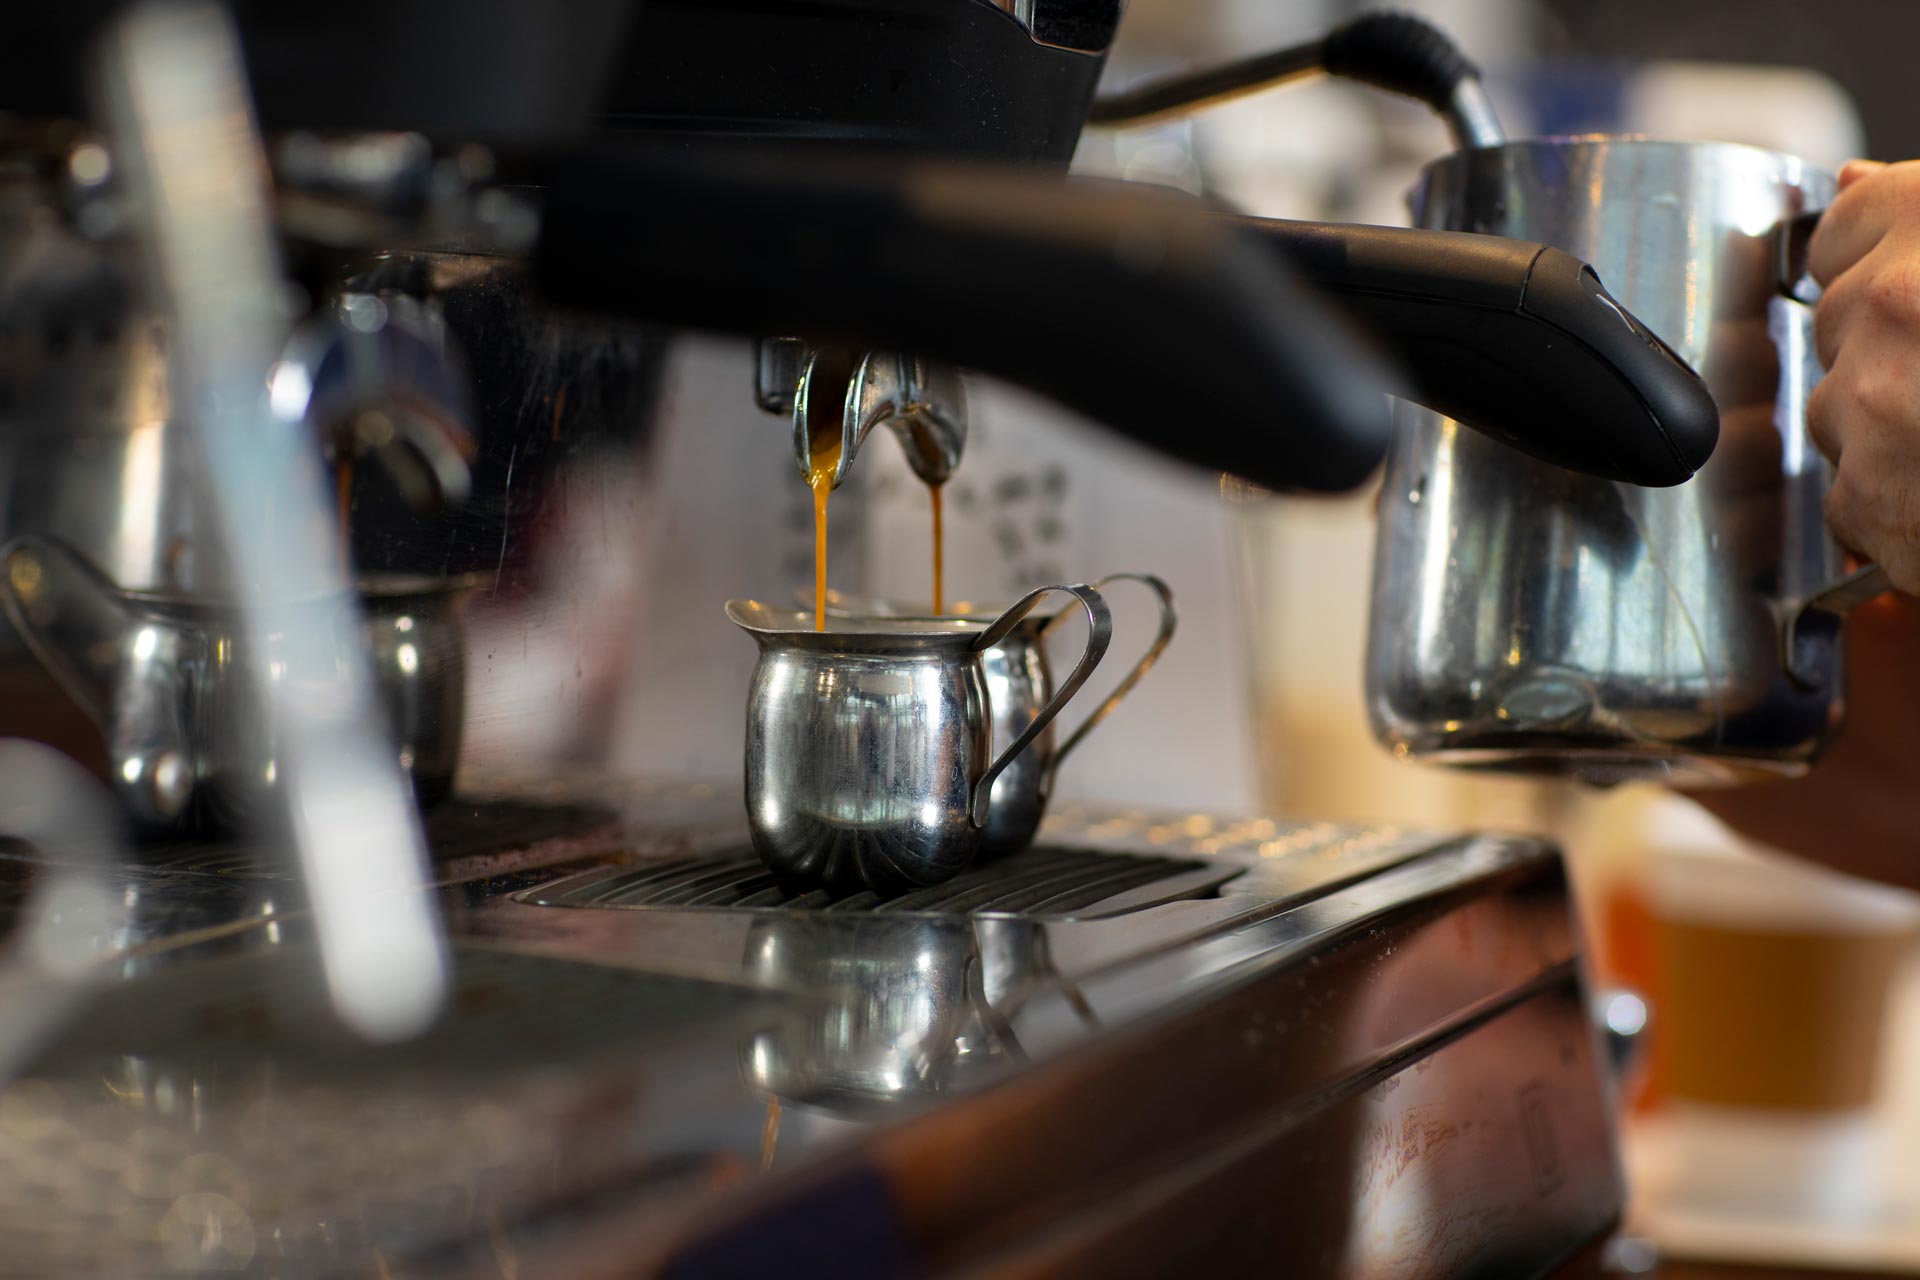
1810, 638
1168, 619
1099, 635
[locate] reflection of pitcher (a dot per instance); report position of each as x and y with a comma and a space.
919, 1006
166, 678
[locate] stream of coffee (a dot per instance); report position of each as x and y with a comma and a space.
939, 564
823, 460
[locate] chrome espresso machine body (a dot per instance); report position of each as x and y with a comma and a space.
334, 945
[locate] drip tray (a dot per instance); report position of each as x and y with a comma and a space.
1042, 883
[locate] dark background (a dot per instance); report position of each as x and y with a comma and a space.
1871, 47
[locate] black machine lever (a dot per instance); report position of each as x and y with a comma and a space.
1175, 325
1139, 308
1400, 52
1516, 339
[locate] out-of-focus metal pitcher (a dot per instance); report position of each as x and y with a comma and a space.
168, 680
1526, 618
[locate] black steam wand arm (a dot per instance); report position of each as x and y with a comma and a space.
1515, 339
1147, 312
1189, 91
1395, 51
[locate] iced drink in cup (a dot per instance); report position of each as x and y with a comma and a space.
1774, 979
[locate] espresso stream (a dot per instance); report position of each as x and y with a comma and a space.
939, 566
823, 460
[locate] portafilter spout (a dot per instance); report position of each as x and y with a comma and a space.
922, 402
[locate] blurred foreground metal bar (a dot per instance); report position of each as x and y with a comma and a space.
176, 106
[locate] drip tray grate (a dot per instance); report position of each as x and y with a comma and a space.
1040, 883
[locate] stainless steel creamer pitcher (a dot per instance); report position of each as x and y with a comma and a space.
1527, 618
870, 752
1019, 683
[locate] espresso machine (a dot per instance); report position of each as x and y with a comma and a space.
335, 947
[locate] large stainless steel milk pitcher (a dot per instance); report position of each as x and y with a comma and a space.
1527, 618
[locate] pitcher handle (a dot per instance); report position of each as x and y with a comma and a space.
39, 572
1099, 635
1168, 619
1811, 623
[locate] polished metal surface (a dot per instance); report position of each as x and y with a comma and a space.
1524, 618
171, 681
1051, 883
1399, 1076
870, 751
1374, 1042
1471, 117
272, 1143
922, 402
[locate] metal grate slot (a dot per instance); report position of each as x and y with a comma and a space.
1041, 883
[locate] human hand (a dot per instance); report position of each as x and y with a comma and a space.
1865, 414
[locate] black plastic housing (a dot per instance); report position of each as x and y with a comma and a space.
927, 77
1144, 310
1517, 340
1399, 52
